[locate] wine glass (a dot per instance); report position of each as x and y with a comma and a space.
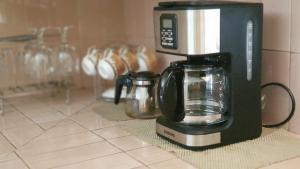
66, 62
7, 67
39, 59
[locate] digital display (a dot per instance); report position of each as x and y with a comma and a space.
167, 23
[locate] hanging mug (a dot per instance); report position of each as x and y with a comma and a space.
90, 61
111, 65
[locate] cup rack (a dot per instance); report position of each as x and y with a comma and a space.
25, 37
33, 89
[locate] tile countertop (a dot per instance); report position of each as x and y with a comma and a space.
41, 132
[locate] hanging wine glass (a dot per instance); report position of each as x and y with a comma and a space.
24, 59
7, 68
40, 65
67, 61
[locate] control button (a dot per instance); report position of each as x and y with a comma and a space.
170, 33
250, 39
164, 43
170, 39
170, 44
164, 33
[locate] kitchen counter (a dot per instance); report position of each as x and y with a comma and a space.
42, 132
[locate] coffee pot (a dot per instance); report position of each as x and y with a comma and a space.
140, 99
199, 91
207, 105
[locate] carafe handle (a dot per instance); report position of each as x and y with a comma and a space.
170, 94
121, 81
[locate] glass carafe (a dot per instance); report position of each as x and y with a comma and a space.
205, 90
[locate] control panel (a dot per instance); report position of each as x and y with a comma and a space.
168, 31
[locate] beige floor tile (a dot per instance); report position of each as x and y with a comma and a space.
150, 155
65, 122
40, 146
117, 161
12, 115
7, 108
7, 157
23, 101
289, 164
5, 146
23, 134
62, 130
71, 108
44, 115
70, 156
16, 163
51, 124
54, 101
33, 105
92, 120
14, 123
88, 101
143, 167
172, 164
112, 132
129, 143
15, 100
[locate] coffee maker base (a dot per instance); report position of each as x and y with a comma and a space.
184, 136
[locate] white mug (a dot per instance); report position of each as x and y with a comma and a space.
111, 65
90, 61
129, 57
147, 60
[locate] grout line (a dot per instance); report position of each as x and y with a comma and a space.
290, 61
135, 158
124, 151
64, 149
274, 50
28, 117
78, 162
9, 142
111, 138
23, 160
143, 166
34, 139
106, 140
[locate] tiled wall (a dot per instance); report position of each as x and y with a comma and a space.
95, 22
101, 22
281, 53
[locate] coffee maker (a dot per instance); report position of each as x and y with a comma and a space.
213, 97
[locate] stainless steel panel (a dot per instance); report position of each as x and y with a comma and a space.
209, 119
198, 31
189, 140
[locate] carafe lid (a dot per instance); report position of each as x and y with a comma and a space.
144, 76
